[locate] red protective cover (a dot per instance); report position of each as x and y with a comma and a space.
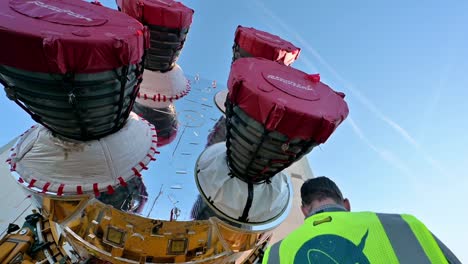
285, 99
164, 13
59, 36
265, 45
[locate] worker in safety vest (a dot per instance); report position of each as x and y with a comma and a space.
333, 234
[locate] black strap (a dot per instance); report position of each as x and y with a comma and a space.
248, 204
123, 84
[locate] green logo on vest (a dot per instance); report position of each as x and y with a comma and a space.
332, 249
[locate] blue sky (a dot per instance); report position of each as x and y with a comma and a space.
403, 67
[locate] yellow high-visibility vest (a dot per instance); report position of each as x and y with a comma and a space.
361, 237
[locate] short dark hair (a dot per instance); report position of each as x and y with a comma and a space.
318, 189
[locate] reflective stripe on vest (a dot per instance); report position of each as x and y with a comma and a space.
405, 245
273, 257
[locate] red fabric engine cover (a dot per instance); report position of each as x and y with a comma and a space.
265, 45
164, 13
285, 99
59, 36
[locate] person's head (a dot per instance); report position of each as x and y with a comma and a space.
321, 191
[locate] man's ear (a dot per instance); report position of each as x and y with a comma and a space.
305, 210
347, 204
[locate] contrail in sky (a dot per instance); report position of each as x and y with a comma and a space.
355, 92
386, 155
